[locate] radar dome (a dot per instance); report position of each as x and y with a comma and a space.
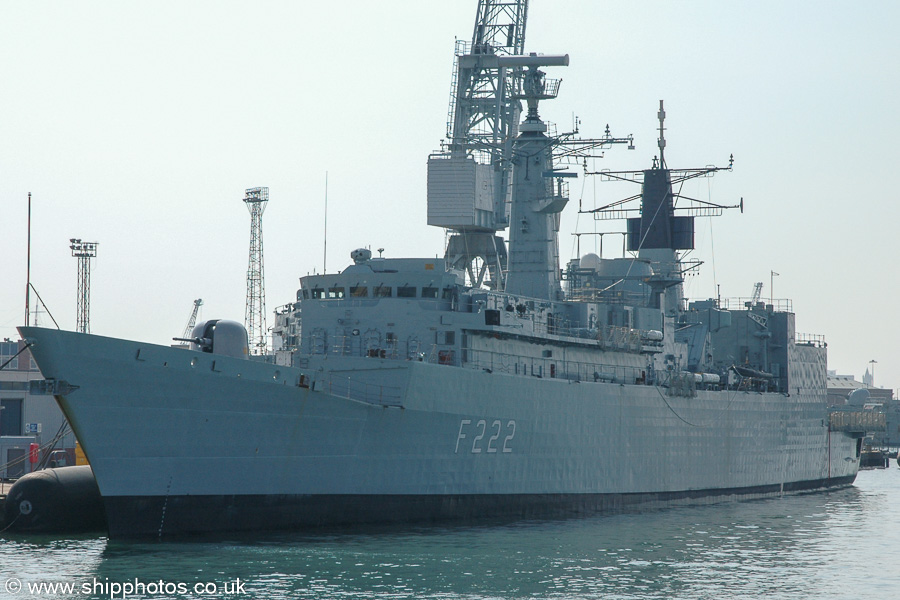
590, 261
858, 397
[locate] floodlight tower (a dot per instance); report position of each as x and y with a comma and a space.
255, 315
84, 252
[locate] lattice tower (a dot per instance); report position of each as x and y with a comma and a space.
481, 126
84, 252
255, 315
483, 112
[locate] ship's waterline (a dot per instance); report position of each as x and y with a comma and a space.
797, 546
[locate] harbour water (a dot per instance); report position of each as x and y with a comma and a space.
839, 544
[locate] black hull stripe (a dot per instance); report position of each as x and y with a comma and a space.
176, 516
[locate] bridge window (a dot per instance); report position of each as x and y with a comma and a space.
317, 293
429, 292
336, 293
382, 291
406, 291
359, 291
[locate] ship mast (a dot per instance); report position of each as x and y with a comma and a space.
662, 135
536, 202
540, 189
660, 228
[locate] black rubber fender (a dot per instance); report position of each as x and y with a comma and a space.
65, 499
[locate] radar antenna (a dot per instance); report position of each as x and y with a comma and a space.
662, 135
695, 208
657, 226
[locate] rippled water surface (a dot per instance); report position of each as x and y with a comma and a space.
841, 544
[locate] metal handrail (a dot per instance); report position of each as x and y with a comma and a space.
554, 368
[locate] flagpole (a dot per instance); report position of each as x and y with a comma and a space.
28, 269
772, 275
325, 230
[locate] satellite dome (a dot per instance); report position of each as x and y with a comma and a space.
858, 397
590, 261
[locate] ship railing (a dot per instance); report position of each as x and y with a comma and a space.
611, 214
811, 339
556, 187
856, 421
441, 303
361, 391
553, 368
778, 304
621, 338
609, 337
390, 349
582, 293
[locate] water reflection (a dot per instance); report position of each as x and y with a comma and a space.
793, 547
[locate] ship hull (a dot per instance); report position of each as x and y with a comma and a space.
184, 442
155, 516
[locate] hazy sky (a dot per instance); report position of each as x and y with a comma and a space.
139, 125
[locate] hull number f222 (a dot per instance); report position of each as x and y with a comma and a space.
485, 438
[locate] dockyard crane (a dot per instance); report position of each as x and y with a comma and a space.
470, 179
484, 115
481, 126
193, 320
757, 293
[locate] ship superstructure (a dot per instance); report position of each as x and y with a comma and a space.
622, 320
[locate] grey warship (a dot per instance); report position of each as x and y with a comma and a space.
420, 390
